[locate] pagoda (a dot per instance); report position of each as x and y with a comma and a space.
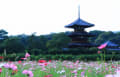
79, 36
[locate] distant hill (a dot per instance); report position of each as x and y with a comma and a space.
115, 31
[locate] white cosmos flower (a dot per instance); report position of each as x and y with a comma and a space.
2, 64
60, 72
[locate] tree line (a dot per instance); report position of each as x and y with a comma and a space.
52, 43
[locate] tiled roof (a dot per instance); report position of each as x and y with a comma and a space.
79, 22
109, 43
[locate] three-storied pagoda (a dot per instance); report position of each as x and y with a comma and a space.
80, 36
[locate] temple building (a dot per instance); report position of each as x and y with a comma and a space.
112, 46
79, 36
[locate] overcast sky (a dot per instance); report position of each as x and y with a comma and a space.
50, 16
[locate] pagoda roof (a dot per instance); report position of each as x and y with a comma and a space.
72, 34
79, 22
113, 49
111, 44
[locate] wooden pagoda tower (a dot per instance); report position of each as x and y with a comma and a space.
79, 36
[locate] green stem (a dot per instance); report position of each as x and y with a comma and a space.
104, 58
104, 54
101, 57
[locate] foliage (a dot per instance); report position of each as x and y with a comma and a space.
53, 44
14, 45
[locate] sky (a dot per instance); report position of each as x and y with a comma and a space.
50, 16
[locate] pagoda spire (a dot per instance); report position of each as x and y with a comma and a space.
79, 11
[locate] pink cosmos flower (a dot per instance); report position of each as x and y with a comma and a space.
75, 71
14, 68
48, 76
109, 76
27, 55
29, 73
25, 72
82, 74
0, 70
11, 65
19, 61
50, 60
41, 64
6, 65
99, 52
77, 61
116, 75
24, 58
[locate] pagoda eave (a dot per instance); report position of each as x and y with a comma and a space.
74, 34
83, 26
74, 45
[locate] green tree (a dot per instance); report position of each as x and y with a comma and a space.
96, 33
37, 43
105, 37
58, 42
14, 45
3, 36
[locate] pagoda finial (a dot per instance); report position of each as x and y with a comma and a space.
79, 11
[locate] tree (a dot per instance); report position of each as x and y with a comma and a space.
96, 33
105, 37
116, 39
3, 34
14, 45
58, 42
42, 42
37, 43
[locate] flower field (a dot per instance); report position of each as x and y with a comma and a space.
55, 68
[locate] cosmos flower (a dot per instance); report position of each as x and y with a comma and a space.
1, 57
50, 60
27, 55
48, 76
25, 72
24, 58
116, 75
99, 52
41, 61
10, 66
19, 61
6, 65
60, 72
29, 73
82, 74
0, 70
14, 68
